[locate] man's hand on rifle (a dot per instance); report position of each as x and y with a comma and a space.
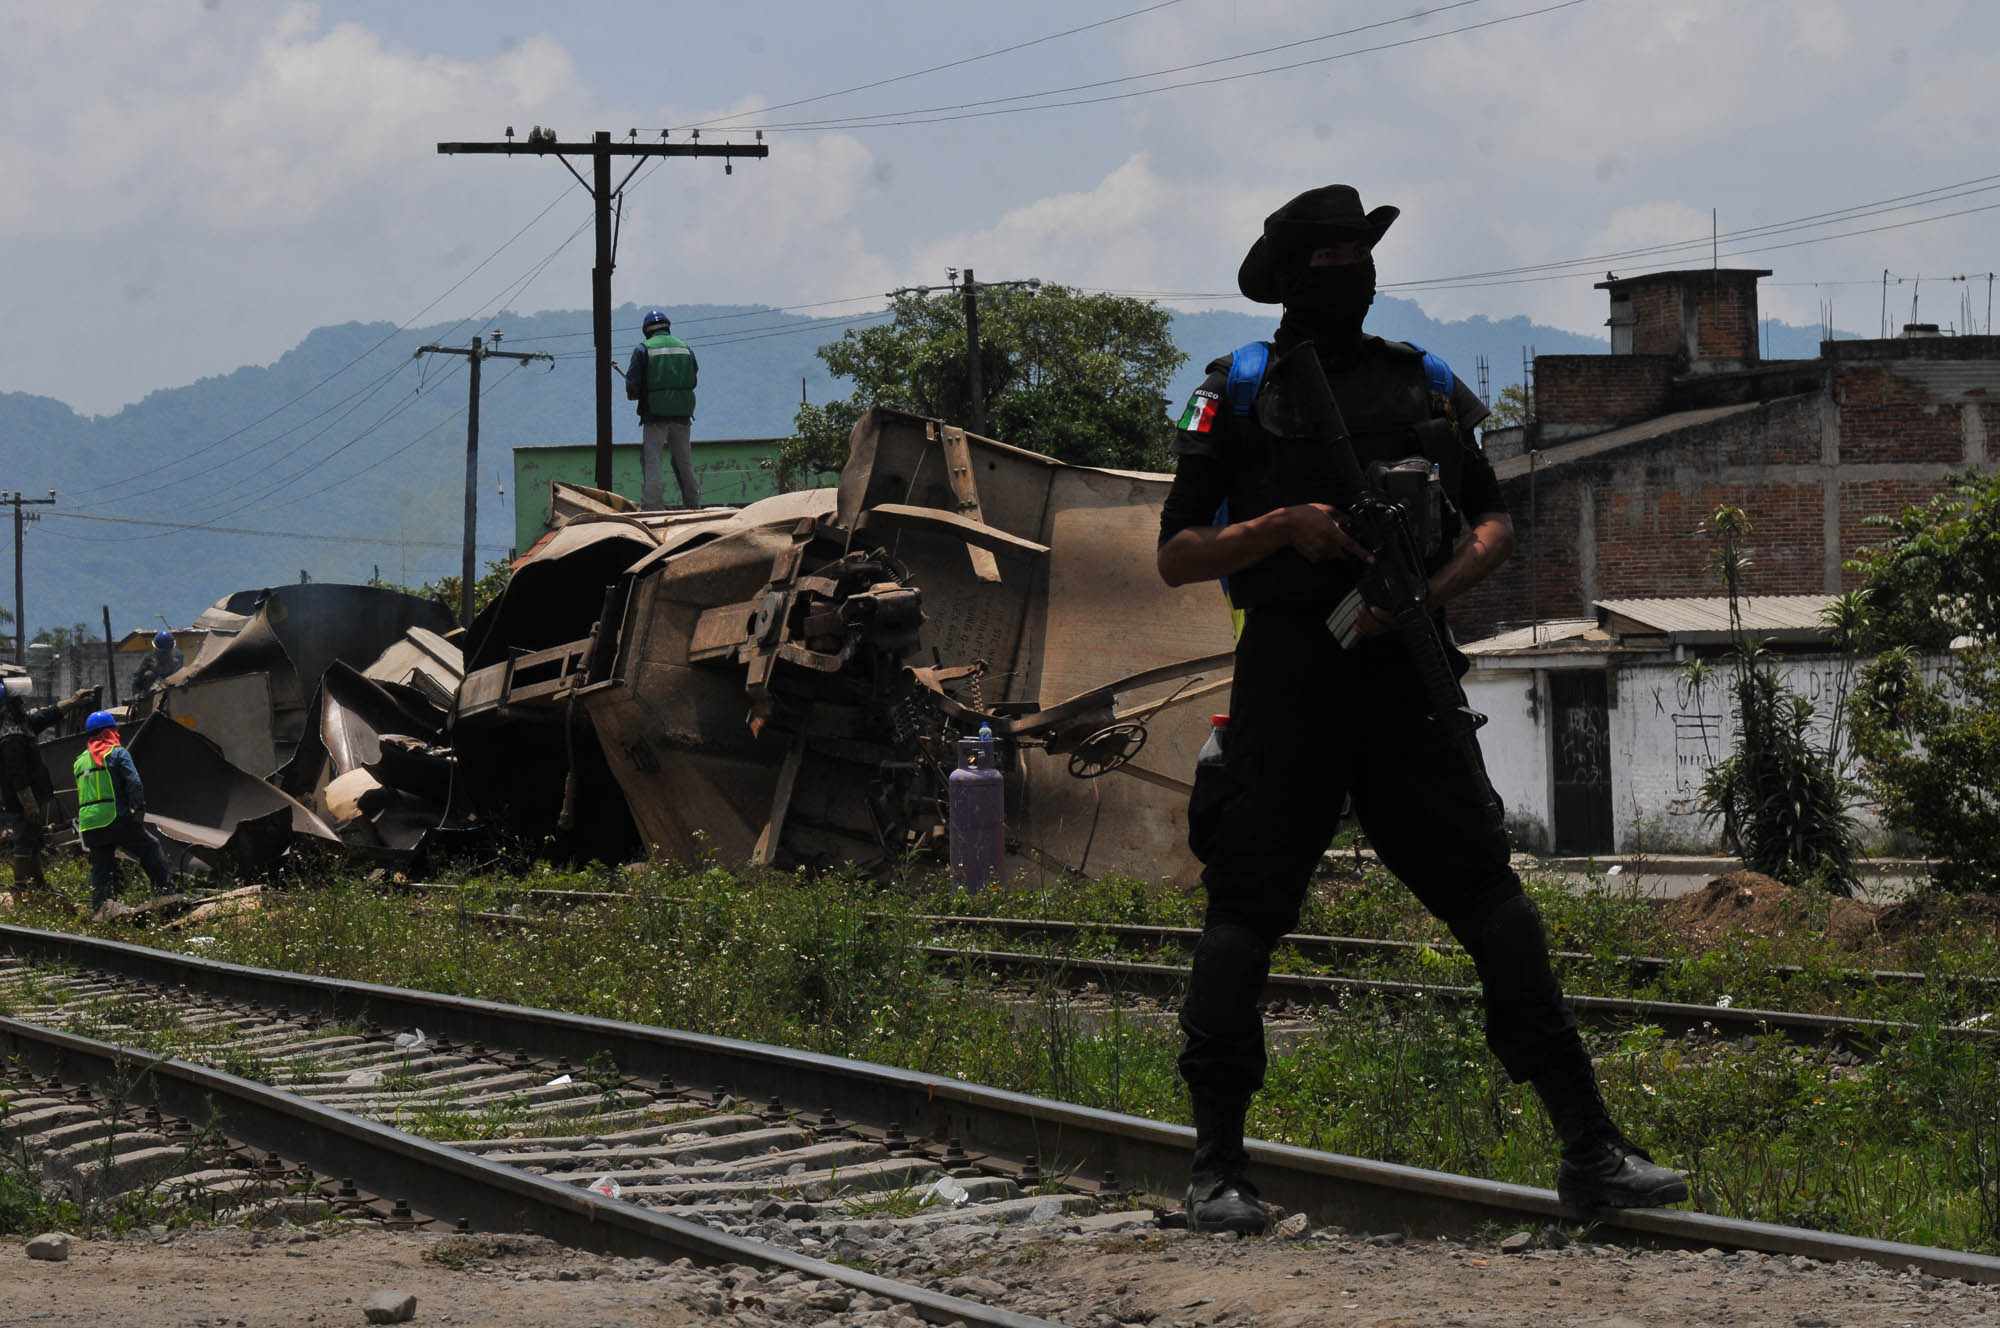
1317, 531
1371, 621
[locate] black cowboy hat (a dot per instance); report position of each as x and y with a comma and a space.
1316, 218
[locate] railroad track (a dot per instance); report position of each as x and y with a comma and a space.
1334, 950
688, 1140
1348, 949
1298, 993
1293, 993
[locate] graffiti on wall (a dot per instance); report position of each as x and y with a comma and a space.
1697, 742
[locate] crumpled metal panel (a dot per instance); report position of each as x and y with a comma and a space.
422, 660
1041, 614
195, 796
294, 634
355, 722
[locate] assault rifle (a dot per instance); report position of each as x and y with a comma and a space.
1396, 581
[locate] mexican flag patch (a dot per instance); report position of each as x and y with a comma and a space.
1200, 413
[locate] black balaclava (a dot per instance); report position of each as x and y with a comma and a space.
1326, 304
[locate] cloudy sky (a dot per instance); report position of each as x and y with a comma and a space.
193, 185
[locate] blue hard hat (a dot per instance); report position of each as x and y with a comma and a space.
100, 719
163, 640
655, 318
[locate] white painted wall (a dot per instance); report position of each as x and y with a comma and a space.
1663, 740
1515, 743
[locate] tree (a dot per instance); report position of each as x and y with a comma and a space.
445, 589
1781, 799
1930, 746
1511, 407
1079, 377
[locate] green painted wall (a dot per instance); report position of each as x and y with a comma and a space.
729, 471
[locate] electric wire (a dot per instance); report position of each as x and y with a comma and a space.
934, 69
1858, 211
227, 492
758, 312
253, 498
359, 397
267, 534
404, 326
976, 110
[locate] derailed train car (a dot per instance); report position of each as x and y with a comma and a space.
784, 683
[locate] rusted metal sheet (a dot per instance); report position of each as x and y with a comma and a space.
224, 814
425, 661
292, 634
788, 687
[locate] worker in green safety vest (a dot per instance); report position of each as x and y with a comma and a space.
111, 814
661, 378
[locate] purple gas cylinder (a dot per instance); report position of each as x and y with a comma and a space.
978, 812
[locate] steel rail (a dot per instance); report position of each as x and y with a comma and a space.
442, 1180
1352, 947
1354, 1192
1678, 1018
1304, 943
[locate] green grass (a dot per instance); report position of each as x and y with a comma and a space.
1901, 1148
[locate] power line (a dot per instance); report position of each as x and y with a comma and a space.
267, 534
276, 410
970, 110
1447, 284
1924, 197
1554, 270
933, 69
758, 312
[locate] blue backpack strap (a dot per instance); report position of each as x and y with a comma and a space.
1246, 375
1439, 379
1437, 375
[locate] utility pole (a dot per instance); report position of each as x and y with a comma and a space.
601, 149
110, 658
970, 292
969, 287
14, 497
479, 351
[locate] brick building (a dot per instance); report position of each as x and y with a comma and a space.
1630, 452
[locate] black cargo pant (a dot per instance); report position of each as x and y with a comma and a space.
1309, 725
130, 834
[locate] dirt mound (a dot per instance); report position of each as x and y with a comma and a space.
1759, 905
1933, 912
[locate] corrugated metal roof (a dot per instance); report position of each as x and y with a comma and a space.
1796, 616
1556, 634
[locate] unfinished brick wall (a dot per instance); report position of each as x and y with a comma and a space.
1630, 525
1886, 416
1627, 524
1601, 390
1695, 317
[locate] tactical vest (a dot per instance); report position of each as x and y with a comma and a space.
669, 376
96, 793
1396, 405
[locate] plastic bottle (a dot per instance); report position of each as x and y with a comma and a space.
1211, 751
977, 807
1211, 790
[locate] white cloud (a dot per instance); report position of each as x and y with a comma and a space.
231, 177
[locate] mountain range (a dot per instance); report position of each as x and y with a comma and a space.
345, 456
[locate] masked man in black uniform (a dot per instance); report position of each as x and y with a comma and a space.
1313, 723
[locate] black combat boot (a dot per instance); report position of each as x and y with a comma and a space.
29, 883
1600, 1168
1219, 1198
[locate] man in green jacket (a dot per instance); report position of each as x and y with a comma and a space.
111, 814
660, 377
